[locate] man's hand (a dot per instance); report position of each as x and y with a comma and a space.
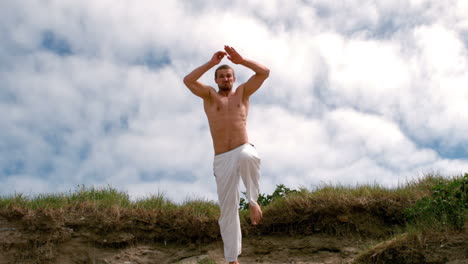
217, 57
233, 55
191, 80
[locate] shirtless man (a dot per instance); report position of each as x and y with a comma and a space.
235, 157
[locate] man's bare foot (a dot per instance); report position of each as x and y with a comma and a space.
234, 262
255, 213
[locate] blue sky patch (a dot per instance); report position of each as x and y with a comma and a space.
155, 60
12, 168
111, 126
56, 44
452, 152
55, 141
84, 151
184, 176
45, 170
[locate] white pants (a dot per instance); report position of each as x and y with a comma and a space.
241, 162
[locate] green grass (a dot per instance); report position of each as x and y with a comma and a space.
157, 201
371, 210
109, 196
104, 197
201, 208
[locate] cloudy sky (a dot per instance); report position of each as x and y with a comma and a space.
91, 92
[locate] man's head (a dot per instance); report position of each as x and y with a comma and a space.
224, 77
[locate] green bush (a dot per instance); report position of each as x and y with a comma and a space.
281, 191
446, 207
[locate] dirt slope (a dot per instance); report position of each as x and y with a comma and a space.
67, 247
19, 243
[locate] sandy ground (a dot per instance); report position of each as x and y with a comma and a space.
312, 249
66, 246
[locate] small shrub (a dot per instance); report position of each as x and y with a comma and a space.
446, 206
281, 191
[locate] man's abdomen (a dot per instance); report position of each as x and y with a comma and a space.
228, 138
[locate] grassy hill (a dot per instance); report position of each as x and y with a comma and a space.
423, 221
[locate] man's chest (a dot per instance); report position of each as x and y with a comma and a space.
227, 106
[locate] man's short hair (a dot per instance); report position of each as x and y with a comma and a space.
223, 67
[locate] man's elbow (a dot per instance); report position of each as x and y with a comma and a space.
266, 73
187, 80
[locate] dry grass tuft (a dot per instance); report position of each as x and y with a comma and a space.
367, 210
420, 247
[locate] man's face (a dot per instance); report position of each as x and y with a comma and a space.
225, 79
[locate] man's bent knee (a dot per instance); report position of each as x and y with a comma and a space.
247, 157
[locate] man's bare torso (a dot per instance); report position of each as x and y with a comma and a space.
227, 117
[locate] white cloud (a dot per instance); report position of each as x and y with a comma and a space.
345, 146
368, 74
358, 92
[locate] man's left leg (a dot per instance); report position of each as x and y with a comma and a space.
249, 169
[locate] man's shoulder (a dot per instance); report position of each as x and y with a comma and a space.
240, 91
211, 92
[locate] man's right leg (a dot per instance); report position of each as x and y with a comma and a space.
227, 182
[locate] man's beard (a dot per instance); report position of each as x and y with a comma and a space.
225, 87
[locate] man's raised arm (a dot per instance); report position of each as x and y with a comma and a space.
261, 72
191, 80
